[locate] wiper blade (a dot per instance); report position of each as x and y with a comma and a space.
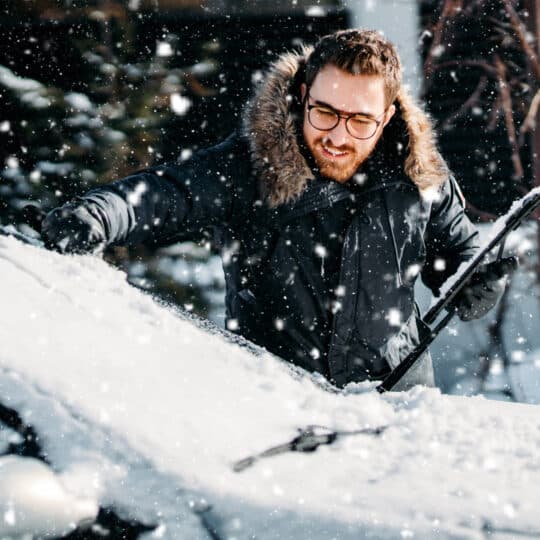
308, 440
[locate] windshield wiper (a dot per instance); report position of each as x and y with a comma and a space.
308, 440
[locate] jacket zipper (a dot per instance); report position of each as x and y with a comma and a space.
393, 238
358, 281
336, 316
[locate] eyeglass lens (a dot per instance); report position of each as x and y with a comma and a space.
359, 127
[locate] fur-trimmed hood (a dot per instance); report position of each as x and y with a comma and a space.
269, 124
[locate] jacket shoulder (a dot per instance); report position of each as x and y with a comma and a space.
231, 152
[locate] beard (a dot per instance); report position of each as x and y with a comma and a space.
340, 169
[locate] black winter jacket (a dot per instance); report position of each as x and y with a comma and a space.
258, 198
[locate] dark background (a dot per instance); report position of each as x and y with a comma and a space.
55, 145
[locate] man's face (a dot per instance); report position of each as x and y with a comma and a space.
336, 152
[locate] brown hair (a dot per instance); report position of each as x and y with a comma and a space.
358, 52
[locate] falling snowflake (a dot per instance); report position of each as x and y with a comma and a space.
517, 356
412, 271
438, 51
180, 104
360, 179
340, 290
394, 317
12, 162
509, 510
232, 324
185, 154
257, 76
164, 49
321, 251
315, 11
134, 197
35, 176
439, 265
336, 306
9, 517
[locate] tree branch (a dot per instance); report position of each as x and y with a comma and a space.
521, 35
449, 9
495, 113
473, 99
530, 120
509, 117
486, 66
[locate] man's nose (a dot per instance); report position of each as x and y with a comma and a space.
339, 136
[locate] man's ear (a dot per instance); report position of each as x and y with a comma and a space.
303, 90
389, 113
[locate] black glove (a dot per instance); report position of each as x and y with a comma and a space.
484, 289
73, 229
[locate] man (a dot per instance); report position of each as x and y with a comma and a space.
327, 205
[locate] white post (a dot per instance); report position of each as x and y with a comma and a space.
399, 21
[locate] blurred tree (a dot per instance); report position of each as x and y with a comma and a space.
482, 81
482, 85
93, 91
58, 143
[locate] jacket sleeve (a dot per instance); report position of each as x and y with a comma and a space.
175, 201
450, 237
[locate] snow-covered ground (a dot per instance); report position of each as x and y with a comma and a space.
142, 409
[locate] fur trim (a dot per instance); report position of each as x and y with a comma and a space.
269, 126
424, 164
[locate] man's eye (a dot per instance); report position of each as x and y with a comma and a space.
361, 121
325, 112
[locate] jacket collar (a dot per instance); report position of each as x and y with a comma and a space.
270, 122
317, 195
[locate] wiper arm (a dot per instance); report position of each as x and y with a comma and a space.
308, 440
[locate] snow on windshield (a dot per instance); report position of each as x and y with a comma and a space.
147, 411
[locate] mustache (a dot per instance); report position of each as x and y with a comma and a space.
328, 144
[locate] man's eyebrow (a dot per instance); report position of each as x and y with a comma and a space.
328, 106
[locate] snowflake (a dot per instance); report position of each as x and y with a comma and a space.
180, 104
232, 324
321, 251
394, 317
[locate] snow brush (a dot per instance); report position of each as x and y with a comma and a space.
519, 211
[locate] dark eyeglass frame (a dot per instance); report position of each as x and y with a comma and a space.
339, 116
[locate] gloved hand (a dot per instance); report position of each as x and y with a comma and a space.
484, 289
73, 229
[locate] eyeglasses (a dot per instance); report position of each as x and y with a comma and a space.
325, 118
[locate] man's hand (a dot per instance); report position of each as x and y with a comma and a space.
484, 289
73, 229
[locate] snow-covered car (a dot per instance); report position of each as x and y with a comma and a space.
137, 421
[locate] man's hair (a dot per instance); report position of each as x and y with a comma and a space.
364, 52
